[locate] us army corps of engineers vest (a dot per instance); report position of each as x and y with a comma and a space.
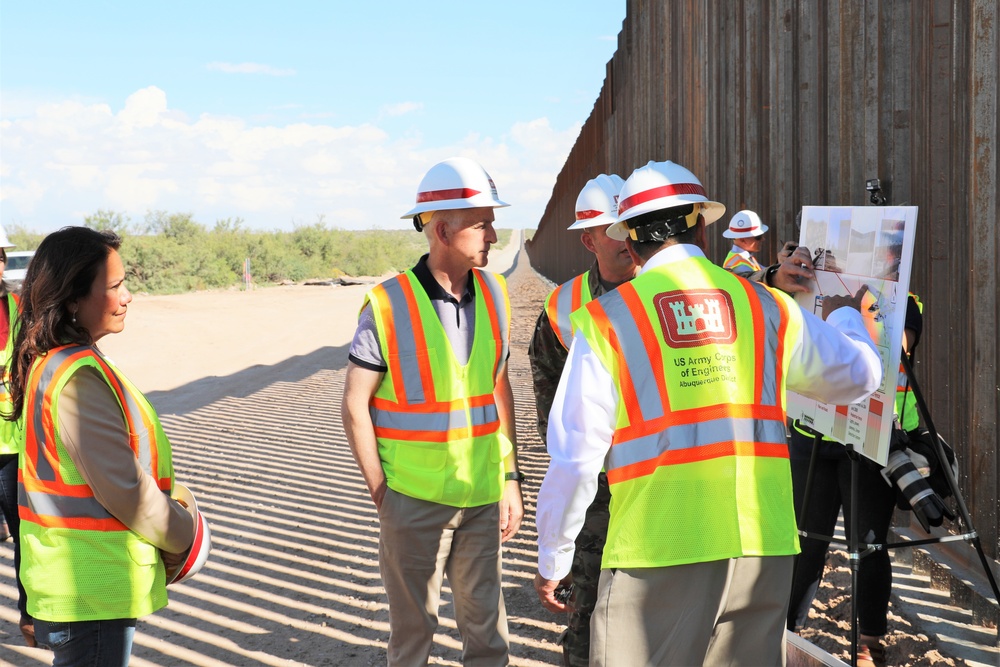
698, 465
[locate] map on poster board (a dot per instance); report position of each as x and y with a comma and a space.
853, 247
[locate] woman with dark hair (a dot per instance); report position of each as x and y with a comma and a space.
98, 527
10, 438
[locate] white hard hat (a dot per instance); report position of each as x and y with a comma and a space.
744, 225
658, 186
597, 203
4, 241
198, 555
457, 182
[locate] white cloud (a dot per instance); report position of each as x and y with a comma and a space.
71, 156
401, 109
249, 68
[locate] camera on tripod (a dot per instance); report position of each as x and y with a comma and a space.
874, 186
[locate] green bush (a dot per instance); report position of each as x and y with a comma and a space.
170, 253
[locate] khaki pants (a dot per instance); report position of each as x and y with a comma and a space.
727, 612
420, 542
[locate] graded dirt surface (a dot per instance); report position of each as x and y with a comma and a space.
248, 386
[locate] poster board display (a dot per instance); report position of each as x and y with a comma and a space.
853, 247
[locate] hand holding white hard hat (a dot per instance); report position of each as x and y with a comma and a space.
202, 545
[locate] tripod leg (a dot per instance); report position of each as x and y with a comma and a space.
853, 555
952, 483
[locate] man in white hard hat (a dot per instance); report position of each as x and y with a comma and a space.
747, 232
429, 416
596, 210
675, 385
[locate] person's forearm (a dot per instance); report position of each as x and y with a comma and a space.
364, 448
358, 390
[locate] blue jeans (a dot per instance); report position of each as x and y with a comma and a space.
87, 643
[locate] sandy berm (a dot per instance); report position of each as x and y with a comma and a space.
248, 385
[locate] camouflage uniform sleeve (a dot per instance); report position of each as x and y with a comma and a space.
547, 357
754, 276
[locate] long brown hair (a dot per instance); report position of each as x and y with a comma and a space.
62, 271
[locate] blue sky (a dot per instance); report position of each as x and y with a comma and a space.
286, 113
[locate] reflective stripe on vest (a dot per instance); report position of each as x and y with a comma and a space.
561, 303
45, 496
698, 463
436, 422
735, 260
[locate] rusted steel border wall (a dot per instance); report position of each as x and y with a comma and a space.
776, 104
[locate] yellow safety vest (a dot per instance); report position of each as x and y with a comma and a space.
906, 400
78, 562
436, 421
739, 264
698, 464
11, 433
561, 303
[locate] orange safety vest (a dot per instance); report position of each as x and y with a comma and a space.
436, 421
561, 303
698, 464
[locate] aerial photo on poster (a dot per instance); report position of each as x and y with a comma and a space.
855, 247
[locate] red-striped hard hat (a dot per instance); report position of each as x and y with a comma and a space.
455, 183
198, 555
744, 225
597, 203
658, 186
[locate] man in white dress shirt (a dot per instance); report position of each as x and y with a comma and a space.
675, 384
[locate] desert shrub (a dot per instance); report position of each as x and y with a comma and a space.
172, 252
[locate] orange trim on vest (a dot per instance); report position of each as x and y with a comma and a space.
392, 346
420, 339
696, 455
759, 337
494, 322
552, 312
110, 524
649, 340
48, 427
629, 397
690, 416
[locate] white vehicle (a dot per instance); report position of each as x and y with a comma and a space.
16, 267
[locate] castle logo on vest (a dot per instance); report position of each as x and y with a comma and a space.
696, 317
